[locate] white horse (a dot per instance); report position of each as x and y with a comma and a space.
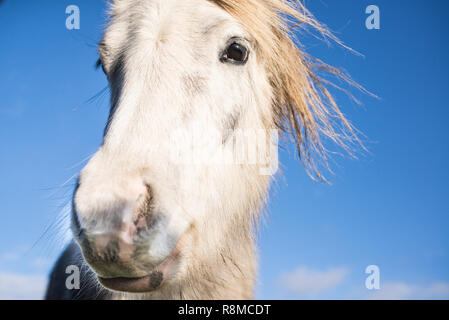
152, 224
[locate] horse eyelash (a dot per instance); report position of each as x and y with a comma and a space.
98, 64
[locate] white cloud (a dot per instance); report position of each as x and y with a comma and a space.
310, 282
403, 291
42, 263
15, 255
20, 287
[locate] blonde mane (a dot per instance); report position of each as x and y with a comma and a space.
303, 106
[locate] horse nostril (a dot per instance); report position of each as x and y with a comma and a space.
105, 248
144, 218
111, 251
115, 231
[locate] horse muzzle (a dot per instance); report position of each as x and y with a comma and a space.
128, 245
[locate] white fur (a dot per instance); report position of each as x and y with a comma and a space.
171, 79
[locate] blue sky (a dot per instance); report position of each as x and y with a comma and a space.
388, 208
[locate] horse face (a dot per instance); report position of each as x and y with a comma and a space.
185, 81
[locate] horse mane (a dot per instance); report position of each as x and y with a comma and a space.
303, 107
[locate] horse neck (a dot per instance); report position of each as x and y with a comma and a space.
229, 270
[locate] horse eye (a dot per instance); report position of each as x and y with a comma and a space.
235, 53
